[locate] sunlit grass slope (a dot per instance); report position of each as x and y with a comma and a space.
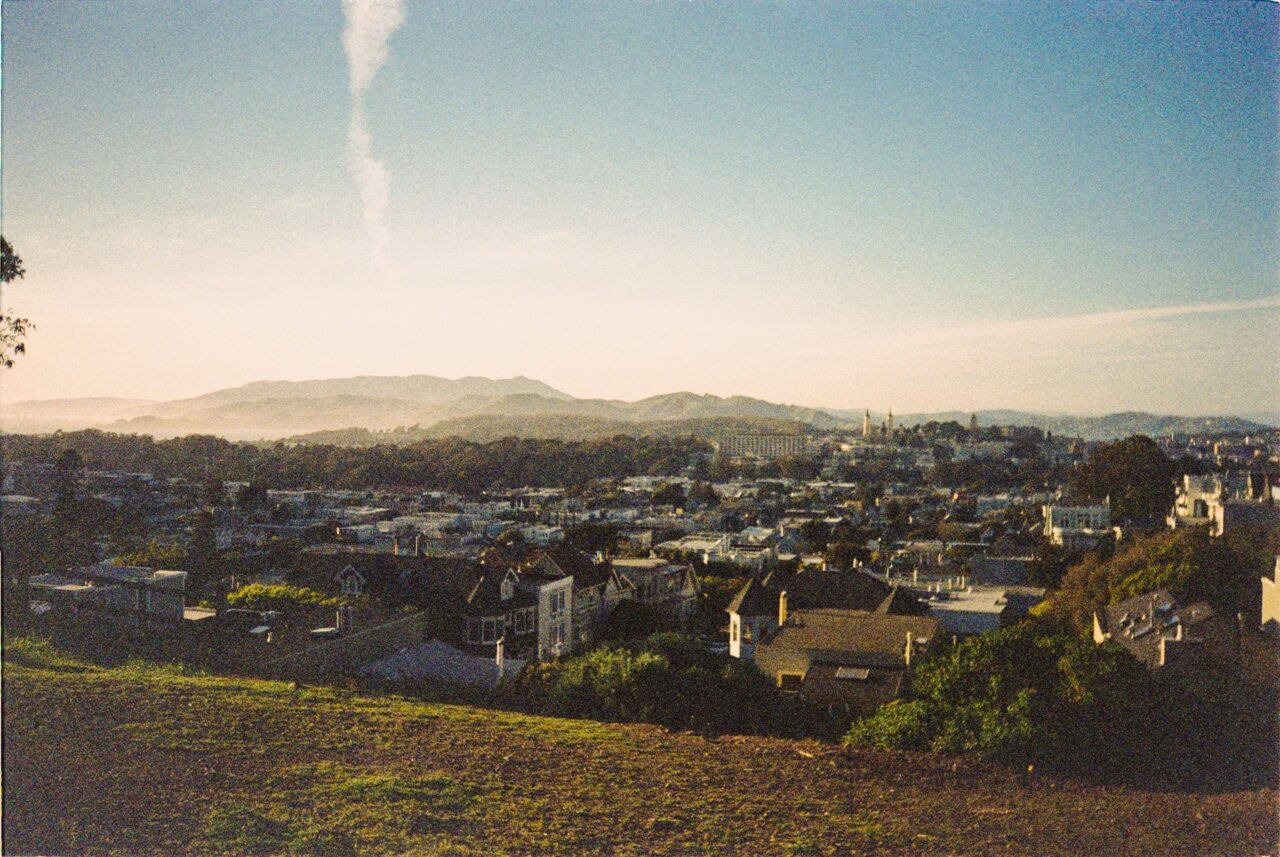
150, 760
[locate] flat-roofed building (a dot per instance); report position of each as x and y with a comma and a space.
132, 594
762, 445
1077, 527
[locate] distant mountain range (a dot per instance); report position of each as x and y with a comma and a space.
372, 409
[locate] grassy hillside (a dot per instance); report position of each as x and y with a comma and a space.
144, 760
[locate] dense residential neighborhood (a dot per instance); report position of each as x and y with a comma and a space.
834, 576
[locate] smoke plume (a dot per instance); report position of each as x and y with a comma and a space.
370, 24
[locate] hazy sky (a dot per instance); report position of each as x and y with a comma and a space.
911, 205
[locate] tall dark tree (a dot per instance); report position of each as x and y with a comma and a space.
669, 495
1135, 473
203, 552
213, 495
66, 486
703, 493
252, 497
76, 522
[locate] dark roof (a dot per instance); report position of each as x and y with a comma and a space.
1141, 622
753, 599
390, 577
900, 602
485, 597
574, 563
851, 636
822, 680
815, 588
567, 561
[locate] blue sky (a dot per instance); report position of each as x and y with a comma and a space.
1067, 207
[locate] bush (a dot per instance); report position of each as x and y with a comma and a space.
668, 679
900, 725
1016, 695
260, 596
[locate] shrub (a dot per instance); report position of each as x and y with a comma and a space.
260, 596
1015, 695
668, 679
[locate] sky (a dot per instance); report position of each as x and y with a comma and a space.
1054, 207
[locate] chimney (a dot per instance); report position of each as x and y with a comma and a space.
782, 608
906, 655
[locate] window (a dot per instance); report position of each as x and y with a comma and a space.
853, 673
790, 682
473, 630
557, 604
492, 630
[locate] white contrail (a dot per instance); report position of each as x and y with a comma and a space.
370, 24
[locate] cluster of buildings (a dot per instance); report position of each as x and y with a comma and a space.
433, 584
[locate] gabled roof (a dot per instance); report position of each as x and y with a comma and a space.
569, 561
753, 599
851, 636
900, 602
815, 588
485, 597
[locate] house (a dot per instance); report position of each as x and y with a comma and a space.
552, 589
530, 607
751, 556
850, 659
497, 609
1170, 636
1244, 512
671, 588
362, 571
590, 582
1077, 528
754, 611
1196, 496
542, 536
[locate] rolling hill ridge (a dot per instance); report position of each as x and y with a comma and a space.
476, 408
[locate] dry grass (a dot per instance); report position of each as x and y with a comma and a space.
141, 760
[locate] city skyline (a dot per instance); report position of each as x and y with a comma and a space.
958, 207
